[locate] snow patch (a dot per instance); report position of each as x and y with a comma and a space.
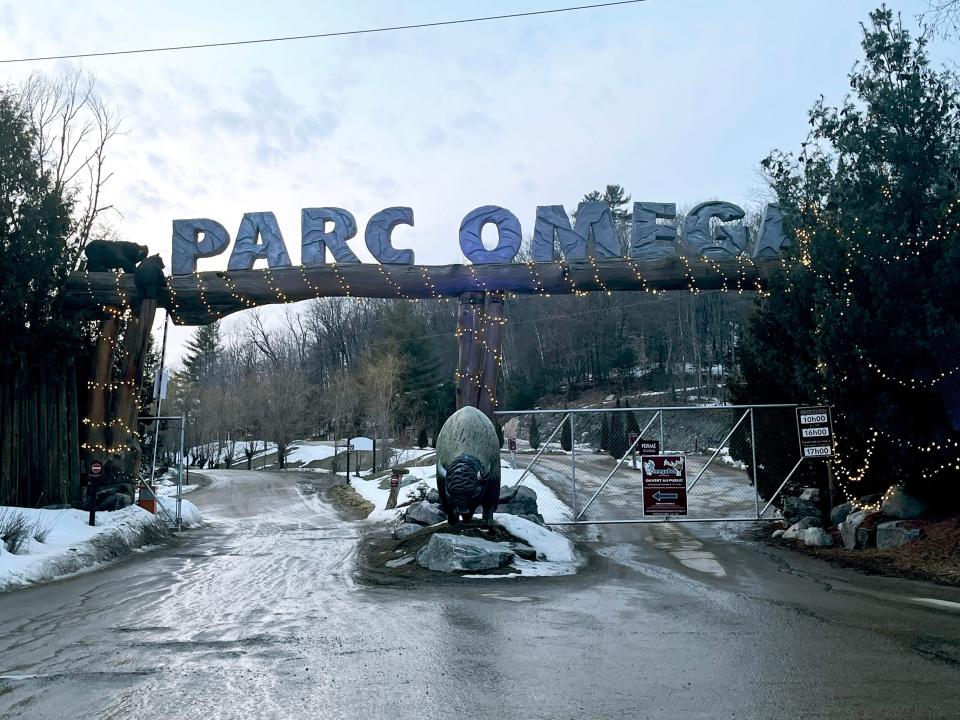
72, 545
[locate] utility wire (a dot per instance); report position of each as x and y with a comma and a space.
317, 36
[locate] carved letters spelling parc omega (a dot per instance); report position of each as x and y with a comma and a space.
710, 230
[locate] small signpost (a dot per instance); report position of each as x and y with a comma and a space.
348, 448
94, 478
512, 446
664, 484
815, 428
395, 476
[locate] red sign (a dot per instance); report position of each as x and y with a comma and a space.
664, 485
512, 444
95, 468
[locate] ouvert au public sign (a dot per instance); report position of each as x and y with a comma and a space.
711, 230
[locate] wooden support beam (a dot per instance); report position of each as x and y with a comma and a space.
479, 319
207, 296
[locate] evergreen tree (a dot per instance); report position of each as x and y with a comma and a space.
566, 441
499, 428
35, 241
534, 436
632, 426
422, 438
618, 441
865, 318
202, 351
605, 431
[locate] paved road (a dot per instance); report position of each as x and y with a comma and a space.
258, 615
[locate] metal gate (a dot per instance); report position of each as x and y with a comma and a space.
737, 460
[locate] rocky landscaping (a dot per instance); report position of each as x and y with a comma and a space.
518, 544
894, 534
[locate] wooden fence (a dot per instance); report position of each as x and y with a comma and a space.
39, 433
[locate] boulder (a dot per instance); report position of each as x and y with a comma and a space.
424, 513
536, 519
110, 501
848, 530
453, 553
523, 551
810, 495
865, 538
519, 500
817, 537
893, 534
778, 533
795, 509
408, 480
794, 532
903, 506
405, 530
433, 496
840, 512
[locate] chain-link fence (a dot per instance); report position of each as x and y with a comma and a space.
585, 465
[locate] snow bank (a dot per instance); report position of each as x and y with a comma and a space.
72, 545
555, 547
189, 514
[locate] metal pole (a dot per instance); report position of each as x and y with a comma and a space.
753, 452
573, 461
159, 382
617, 467
183, 425
663, 447
715, 452
542, 448
348, 463
782, 485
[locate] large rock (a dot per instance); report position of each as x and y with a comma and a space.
848, 530
840, 512
453, 553
903, 506
865, 538
405, 530
519, 500
893, 534
795, 509
810, 495
817, 537
433, 496
424, 513
795, 531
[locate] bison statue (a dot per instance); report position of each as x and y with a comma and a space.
468, 466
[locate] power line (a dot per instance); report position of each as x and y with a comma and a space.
318, 36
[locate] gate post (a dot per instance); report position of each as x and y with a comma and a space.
753, 462
573, 462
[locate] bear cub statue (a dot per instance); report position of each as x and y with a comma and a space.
149, 277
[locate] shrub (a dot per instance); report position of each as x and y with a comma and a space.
14, 529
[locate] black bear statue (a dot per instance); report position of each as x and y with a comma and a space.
149, 277
106, 255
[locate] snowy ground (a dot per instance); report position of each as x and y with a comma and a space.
71, 545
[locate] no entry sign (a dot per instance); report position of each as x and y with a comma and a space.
95, 468
664, 485
815, 428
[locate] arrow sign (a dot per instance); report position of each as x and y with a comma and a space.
659, 496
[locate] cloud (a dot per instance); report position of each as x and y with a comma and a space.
271, 122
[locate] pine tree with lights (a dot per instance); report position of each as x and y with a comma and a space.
865, 316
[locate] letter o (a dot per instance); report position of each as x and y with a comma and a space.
508, 227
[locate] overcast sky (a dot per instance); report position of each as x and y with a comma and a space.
676, 100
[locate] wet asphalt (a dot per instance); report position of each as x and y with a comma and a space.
260, 614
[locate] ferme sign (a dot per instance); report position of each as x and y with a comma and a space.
710, 230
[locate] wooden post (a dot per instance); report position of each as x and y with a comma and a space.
124, 406
94, 434
493, 320
478, 326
